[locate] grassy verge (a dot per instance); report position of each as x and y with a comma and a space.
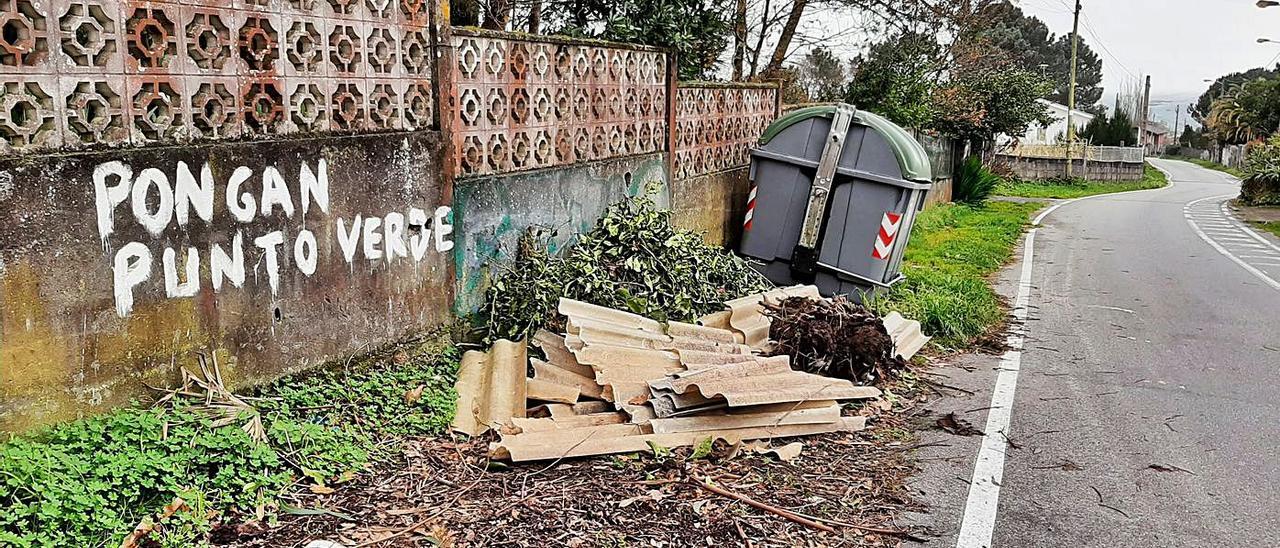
1208, 164
90, 482
1269, 226
1151, 178
954, 249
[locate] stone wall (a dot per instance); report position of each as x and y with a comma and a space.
116, 267
1051, 168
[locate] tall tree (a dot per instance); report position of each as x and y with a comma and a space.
1027, 41
896, 78
699, 30
781, 49
1112, 131
1223, 84
1246, 112
822, 75
987, 95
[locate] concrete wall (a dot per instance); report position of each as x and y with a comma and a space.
1048, 168
712, 204
493, 212
100, 293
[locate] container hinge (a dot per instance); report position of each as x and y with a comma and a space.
804, 258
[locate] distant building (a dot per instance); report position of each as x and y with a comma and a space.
1157, 137
1055, 132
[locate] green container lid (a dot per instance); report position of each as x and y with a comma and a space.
911, 155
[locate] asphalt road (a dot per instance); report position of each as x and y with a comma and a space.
1153, 339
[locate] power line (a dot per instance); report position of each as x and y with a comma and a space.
1089, 29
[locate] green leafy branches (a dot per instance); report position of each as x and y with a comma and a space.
633, 259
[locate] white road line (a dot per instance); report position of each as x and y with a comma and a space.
1218, 247
979, 521
984, 491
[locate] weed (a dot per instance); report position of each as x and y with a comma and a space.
89, 482
953, 249
1076, 187
973, 182
1269, 226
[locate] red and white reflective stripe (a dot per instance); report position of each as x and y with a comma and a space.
751, 209
888, 234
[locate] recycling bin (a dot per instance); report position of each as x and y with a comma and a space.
835, 191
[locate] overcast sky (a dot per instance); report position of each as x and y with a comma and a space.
1178, 42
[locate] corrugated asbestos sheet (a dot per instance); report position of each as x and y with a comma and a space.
491, 387
618, 382
906, 334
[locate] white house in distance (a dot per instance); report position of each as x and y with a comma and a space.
1057, 131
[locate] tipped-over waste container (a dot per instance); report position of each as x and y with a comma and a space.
834, 194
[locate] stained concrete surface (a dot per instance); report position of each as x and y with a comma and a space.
1145, 347
66, 351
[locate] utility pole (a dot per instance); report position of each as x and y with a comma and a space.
1146, 106
1071, 89
1177, 125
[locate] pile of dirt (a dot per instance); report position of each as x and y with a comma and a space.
832, 337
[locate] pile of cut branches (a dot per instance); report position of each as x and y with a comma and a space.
832, 337
633, 259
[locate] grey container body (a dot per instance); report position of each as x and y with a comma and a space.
868, 183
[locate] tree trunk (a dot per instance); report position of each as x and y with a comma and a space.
535, 17
465, 13
739, 38
764, 30
784, 41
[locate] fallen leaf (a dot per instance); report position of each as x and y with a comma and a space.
400, 358
321, 489
143, 529
957, 426
413, 395
177, 505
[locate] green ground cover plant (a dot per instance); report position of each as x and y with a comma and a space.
1269, 226
88, 483
1209, 164
954, 248
1079, 188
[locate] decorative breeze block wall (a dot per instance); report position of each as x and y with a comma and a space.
526, 104
717, 124
75, 73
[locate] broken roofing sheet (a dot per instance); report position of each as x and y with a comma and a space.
906, 334
491, 387
618, 382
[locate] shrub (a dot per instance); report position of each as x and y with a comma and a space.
632, 259
1262, 174
973, 183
